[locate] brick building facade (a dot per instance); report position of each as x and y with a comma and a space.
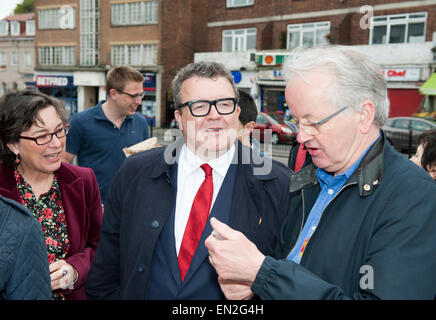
17, 49
399, 35
78, 41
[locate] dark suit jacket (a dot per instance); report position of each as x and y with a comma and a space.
142, 198
83, 213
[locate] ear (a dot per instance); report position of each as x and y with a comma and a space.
250, 126
13, 148
366, 116
178, 116
112, 92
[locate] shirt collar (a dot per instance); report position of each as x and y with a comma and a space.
325, 177
189, 162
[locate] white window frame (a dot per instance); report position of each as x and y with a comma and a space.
301, 28
4, 28
397, 19
14, 58
134, 55
27, 59
239, 3
134, 13
30, 27
3, 61
15, 28
239, 39
89, 32
63, 55
51, 18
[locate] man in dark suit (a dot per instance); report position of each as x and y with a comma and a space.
158, 210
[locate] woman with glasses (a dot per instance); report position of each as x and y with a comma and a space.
64, 198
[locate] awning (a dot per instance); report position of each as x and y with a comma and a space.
429, 87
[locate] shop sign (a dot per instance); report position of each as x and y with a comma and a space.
149, 81
54, 81
402, 74
271, 74
271, 59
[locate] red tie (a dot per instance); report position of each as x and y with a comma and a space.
196, 222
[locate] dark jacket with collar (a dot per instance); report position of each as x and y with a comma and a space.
141, 200
83, 213
375, 239
24, 273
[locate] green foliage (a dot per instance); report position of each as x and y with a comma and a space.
26, 6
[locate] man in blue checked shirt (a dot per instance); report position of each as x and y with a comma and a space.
360, 221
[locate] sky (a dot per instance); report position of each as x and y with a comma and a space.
7, 7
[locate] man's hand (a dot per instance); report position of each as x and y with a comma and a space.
235, 258
235, 290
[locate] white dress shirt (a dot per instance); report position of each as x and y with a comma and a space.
189, 179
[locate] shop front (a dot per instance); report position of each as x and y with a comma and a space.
61, 87
148, 106
403, 93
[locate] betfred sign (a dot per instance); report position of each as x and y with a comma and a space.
53, 81
402, 74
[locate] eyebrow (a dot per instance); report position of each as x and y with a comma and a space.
43, 130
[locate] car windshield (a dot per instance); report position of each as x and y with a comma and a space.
272, 119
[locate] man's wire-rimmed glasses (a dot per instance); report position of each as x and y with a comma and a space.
312, 128
133, 96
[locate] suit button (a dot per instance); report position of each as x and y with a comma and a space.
140, 268
155, 224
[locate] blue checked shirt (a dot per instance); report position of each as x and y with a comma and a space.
330, 186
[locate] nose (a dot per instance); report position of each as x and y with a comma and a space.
302, 137
56, 142
213, 113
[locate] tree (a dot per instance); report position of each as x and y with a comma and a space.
26, 6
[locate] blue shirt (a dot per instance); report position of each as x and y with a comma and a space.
98, 143
330, 187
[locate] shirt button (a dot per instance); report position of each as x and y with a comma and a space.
155, 224
140, 268
366, 187
330, 191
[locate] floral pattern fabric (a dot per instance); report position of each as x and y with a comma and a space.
49, 211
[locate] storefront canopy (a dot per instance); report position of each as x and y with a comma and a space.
429, 87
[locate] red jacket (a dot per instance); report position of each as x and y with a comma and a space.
83, 213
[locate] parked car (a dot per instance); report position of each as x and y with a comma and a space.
281, 131
403, 132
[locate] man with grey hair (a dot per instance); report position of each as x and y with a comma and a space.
361, 216
157, 213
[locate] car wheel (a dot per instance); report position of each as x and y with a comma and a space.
275, 138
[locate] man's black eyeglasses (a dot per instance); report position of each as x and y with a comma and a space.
47, 138
133, 96
201, 108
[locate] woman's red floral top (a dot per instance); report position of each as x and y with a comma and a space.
49, 211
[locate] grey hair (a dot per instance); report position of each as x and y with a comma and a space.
357, 77
201, 69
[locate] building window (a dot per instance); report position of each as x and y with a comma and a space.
398, 28
14, 58
89, 32
133, 13
3, 60
239, 40
4, 28
308, 34
27, 59
53, 18
30, 27
239, 3
134, 55
15, 28
57, 56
